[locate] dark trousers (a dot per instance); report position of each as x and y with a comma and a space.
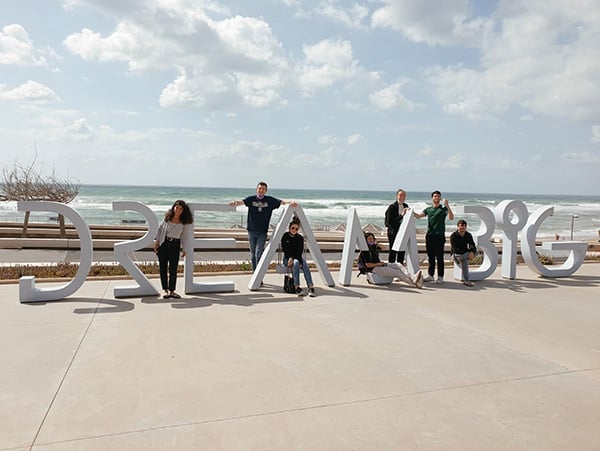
434, 244
168, 261
394, 256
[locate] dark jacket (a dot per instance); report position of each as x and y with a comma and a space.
462, 244
370, 256
393, 218
292, 246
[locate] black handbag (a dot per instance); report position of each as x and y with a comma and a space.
288, 284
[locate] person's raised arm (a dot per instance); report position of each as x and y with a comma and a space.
450, 212
235, 203
293, 203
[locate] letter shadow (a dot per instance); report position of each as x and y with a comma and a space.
115, 306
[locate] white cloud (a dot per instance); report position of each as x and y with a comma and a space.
336, 53
327, 139
596, 133
236, 153
242, 153
541, 57
499, 164
436, 23
326, 158
390, 97
330, 158
426, 151
355, 139
582, 158
326, 63
291, 3
16, 48
335, 11
142, 49
453, 162
351, 16
210, 91
220, 63
247, 37
30, 92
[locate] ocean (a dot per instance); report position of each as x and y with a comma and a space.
325, 209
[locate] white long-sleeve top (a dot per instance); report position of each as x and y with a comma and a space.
174, 230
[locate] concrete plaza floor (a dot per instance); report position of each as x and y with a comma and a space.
505, 365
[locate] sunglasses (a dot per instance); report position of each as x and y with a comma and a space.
293, 228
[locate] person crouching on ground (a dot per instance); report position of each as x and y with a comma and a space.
369, 260
169, 242
463, 249
292, 244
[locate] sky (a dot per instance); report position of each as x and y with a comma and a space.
460, 96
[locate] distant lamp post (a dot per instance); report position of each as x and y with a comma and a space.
573, 217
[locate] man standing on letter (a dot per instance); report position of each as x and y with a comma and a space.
393, 219
436, 234
260, 209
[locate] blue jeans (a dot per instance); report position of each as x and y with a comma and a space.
305, 270
257, 242
463, 261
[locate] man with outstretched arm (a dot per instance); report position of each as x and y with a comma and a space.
260, 209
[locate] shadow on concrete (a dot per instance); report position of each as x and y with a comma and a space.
515, 285
113, 305
538, 283
266, 295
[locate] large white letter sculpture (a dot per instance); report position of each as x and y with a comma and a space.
482, 240
27, 290
576, 255
354, 239
205, 243
144, 287
510, 230
406, 239
271, 247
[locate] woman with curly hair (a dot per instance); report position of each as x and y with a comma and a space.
169, 242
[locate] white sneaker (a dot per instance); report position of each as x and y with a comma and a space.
427, 278
440, 280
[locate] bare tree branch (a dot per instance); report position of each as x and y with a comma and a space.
28, 183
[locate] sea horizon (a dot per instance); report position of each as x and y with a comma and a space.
251, 189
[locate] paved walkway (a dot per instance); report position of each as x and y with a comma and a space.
506, 365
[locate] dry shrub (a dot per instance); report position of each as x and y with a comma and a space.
68, 270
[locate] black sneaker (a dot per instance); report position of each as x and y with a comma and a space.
299, 291
311, 292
